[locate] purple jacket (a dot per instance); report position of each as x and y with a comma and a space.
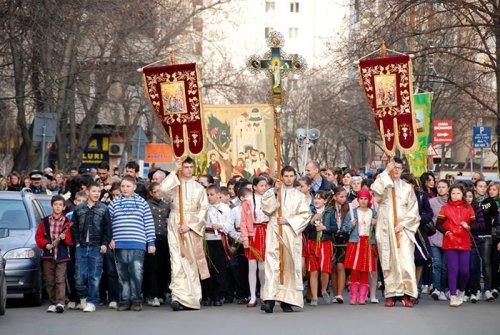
436, 240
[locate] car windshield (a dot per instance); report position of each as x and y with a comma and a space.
13, 215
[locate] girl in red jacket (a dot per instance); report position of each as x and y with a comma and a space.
454, 221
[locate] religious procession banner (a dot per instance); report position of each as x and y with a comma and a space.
175, 96
417, 159
387, 82
240, 140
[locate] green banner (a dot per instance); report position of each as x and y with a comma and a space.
417, 159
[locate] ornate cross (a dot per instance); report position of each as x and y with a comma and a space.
277, 64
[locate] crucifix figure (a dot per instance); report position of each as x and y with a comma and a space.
277, 64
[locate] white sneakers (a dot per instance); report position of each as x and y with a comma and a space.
90, 307
426, 289
460, 297
155, 302
82, 304
59, 308
473, 298
488, 296
454, 302
71, 305
442, 296
113, 305
435, 294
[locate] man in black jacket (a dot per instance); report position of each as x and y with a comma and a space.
91, 233
318, 182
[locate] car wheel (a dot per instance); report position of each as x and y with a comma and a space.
3, 296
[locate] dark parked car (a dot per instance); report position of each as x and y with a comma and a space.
3, 282
20, 213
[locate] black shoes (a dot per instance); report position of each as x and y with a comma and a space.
218, 303
268, 306
287, 308
176, 306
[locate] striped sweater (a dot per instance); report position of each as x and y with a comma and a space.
132, 223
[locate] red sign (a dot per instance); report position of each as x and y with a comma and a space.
443, 132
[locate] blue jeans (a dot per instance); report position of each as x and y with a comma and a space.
439, 273
88, 272
485, 246
130, 266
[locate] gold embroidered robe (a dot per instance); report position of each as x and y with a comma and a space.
297, 212
186, 271
397, 264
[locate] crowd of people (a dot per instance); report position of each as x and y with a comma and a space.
175, 238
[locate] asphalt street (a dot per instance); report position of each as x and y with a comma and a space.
427, 318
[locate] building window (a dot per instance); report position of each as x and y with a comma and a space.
268, 30
293, 32
269, 6
294, 7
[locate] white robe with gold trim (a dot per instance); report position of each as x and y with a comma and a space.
186, 271
397, 264
297, 212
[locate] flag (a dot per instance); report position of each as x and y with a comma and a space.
175, 96
387, 82
417, 159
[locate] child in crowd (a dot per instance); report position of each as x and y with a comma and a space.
218, 223
340, 240
360, 255
473, 290
320, 247
238, 264
73, 303
253, 232
133, 233
157, 265
53, 237
91, 233
454, 221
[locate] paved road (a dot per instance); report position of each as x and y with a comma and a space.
427, 318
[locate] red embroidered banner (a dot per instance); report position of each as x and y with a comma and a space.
174, 93
388, 86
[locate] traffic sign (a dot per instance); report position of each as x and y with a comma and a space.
384, 157
431, 152
443, 131
481, 137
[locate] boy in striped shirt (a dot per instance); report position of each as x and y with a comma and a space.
133, 231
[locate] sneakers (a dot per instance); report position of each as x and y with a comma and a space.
426, 289
454, 301
473, 298
72, 305
488, 296
82, 304
52, 309
479, 295
466, 298
374, 300
460, 297
123, 307
339, 299
314, 302
113, 305
326, 298
435, 294
155, 302
495, 293
90, 307
60, 308
442, 296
